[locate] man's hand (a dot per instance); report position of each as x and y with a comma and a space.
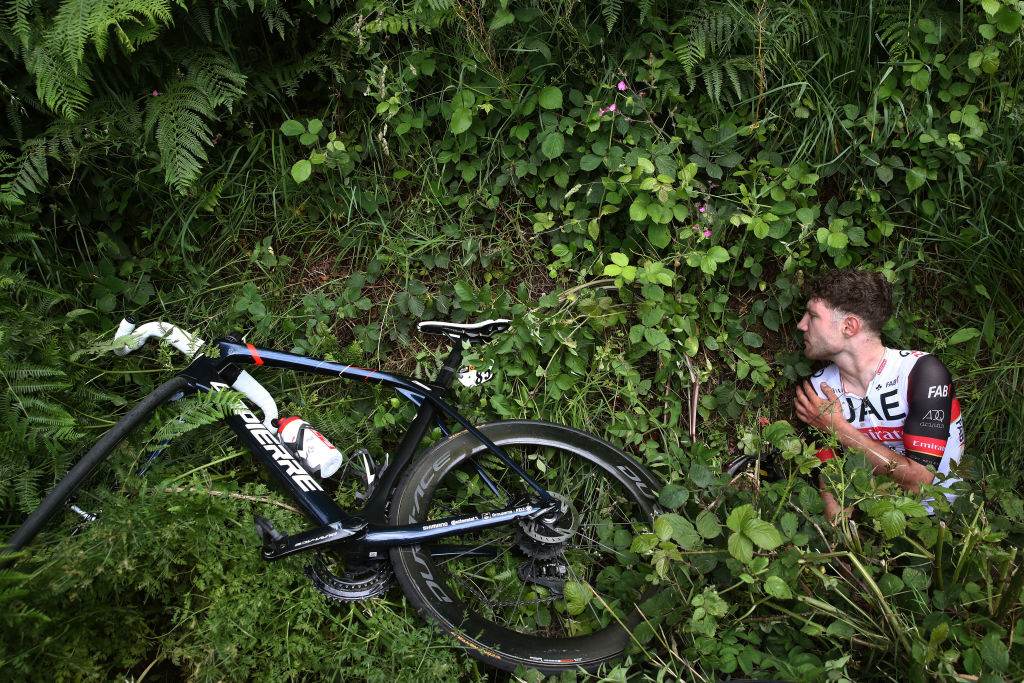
825, 415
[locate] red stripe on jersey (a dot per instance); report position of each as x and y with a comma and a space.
882, 433
924, 444
955, 411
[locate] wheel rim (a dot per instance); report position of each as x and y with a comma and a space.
505, 605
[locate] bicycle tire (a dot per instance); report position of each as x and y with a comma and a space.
614, 484
56, 498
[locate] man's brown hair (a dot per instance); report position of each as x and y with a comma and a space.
864, 294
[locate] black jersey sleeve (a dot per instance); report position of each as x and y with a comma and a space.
931, 400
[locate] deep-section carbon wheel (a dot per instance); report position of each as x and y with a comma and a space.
556, 593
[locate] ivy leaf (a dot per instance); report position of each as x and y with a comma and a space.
301, 170
291, 128
550, 98
553, 145
777, 588
462, 119
577, 596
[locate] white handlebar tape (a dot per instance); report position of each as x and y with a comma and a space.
255, 392
187, 343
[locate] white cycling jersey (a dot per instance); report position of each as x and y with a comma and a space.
910, 407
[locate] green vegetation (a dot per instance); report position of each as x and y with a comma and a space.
642, 187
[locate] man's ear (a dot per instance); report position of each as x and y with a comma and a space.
852, 325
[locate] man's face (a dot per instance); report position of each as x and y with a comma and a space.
823, 337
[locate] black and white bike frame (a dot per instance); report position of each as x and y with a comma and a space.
214, 374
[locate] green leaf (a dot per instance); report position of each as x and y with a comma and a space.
884, 173
763, 534
718, 254
921, 79
677, 528
994, 652
659, 235
553, 145
741, 548
307, 138
1007, 20
301, 170
638, 209
501, 18
315, 126
550, 98
838, 240
916, 177
740, 516
291, 128
644, 543
588, 162
991, 6
963, 335
673, 496
619, 259
577, 596
462, 119
707, 525
777, 588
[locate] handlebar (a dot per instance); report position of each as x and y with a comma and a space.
185, 342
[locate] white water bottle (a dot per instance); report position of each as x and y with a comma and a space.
320, 454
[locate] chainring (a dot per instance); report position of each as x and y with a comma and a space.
354, 583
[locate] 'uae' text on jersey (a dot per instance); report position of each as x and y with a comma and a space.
910, 407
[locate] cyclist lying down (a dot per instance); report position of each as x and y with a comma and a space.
898, 407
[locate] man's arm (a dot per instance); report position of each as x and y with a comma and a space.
932, 409
827, 416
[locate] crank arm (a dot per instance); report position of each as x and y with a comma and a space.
276, 546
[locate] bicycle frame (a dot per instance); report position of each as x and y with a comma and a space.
215, 374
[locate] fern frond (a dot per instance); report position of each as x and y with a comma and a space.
27, 175
217, 76
179, 117
611, 10
59, 86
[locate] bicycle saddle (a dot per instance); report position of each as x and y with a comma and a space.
474, 333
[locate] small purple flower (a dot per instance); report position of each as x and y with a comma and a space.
155, 93
622, 85
604, 110
702, 208
707, 233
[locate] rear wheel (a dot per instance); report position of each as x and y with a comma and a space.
554, 594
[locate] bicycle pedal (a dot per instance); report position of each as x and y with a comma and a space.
268, 534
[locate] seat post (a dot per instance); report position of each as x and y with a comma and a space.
451, 366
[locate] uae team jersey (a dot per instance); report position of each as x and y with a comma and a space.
910, 407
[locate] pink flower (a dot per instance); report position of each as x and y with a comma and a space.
707, 233
155, 93
604, 110
622, 85
702, 208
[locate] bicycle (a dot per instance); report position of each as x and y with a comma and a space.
541, 575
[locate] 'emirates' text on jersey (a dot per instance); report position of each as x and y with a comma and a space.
910, 407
